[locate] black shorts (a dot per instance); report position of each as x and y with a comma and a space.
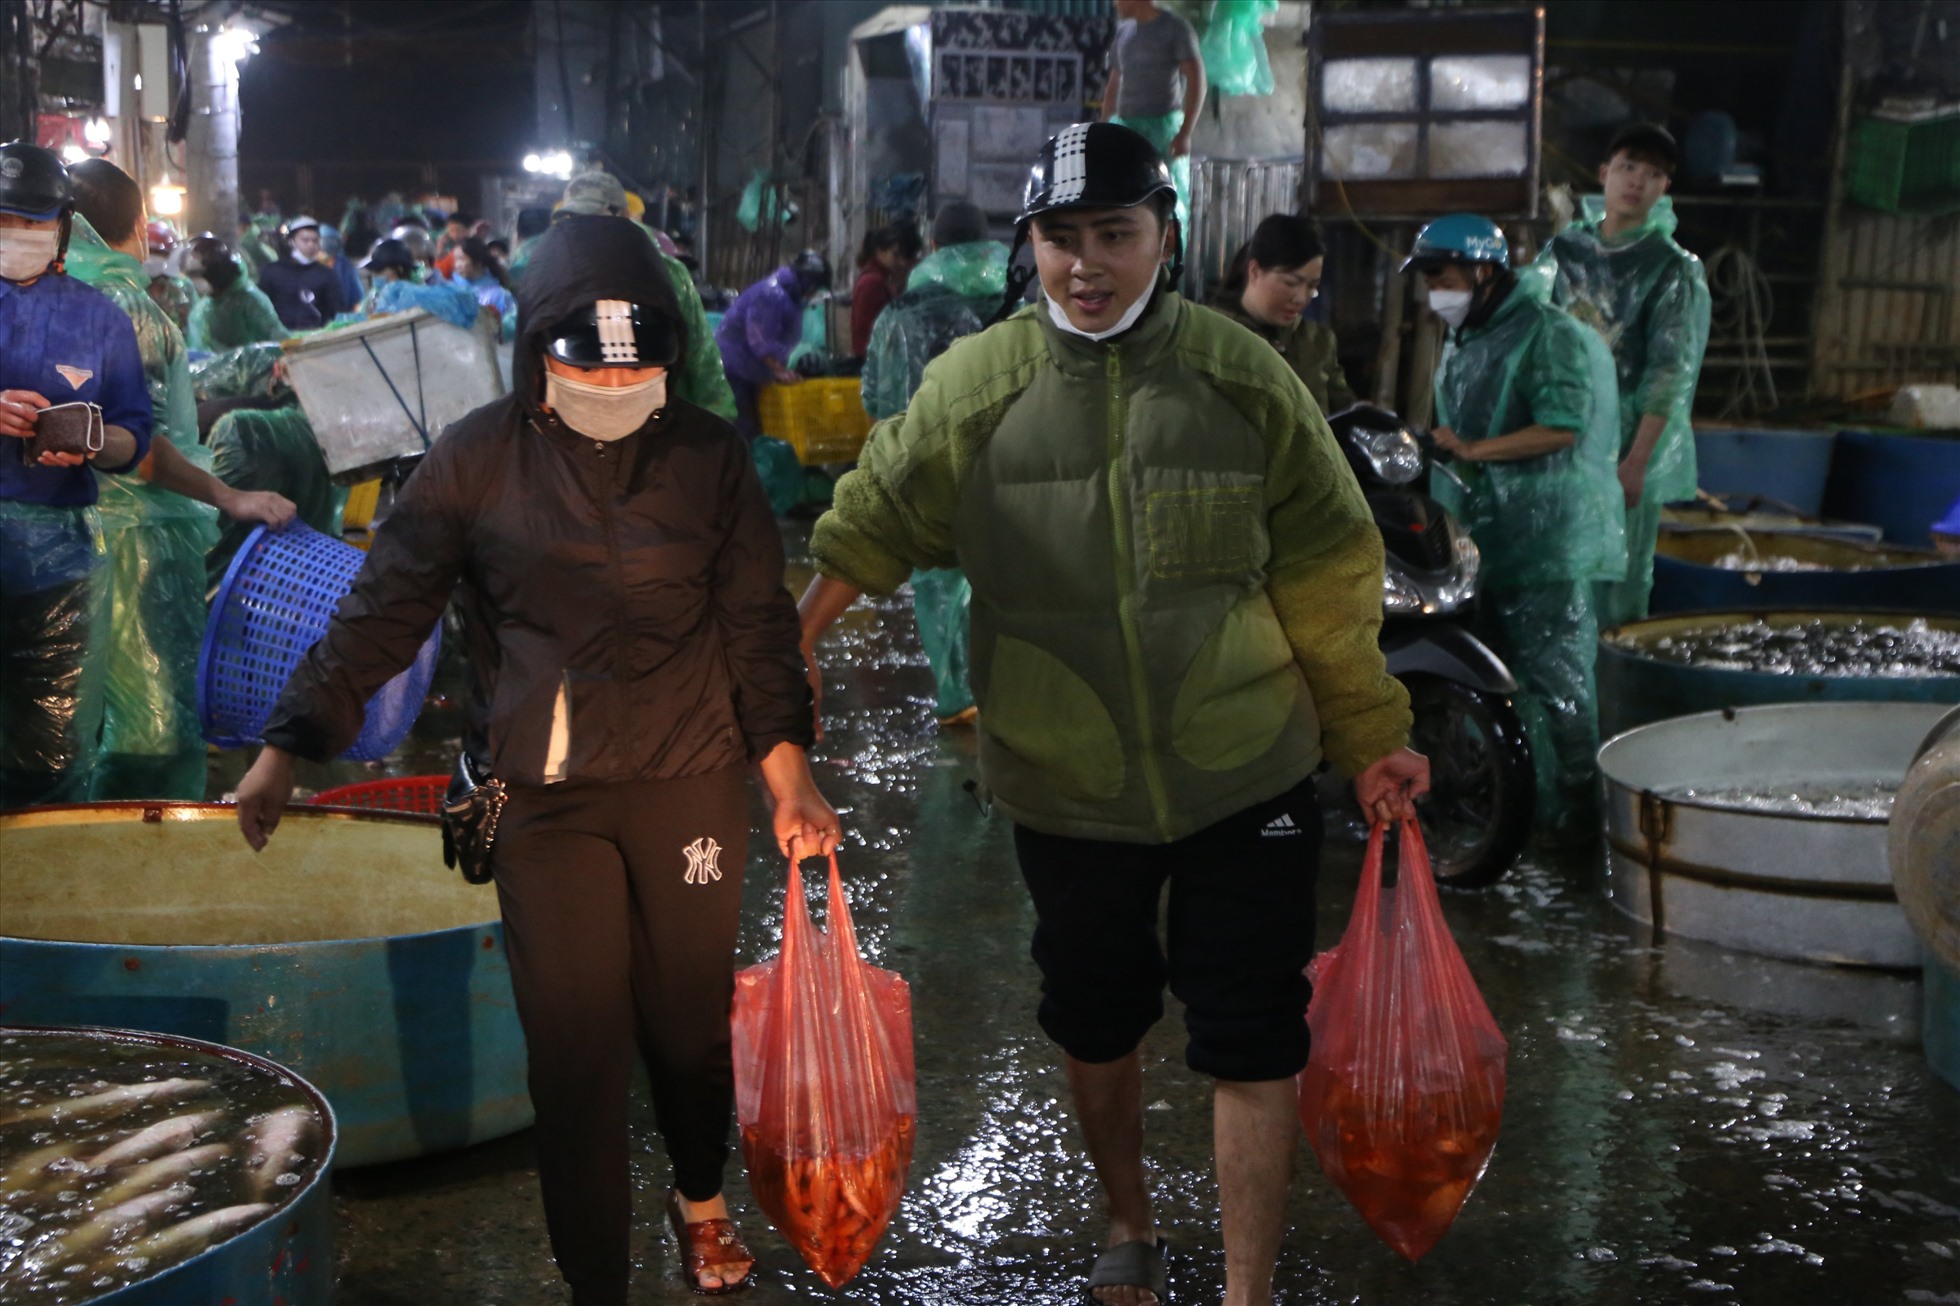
1241, 931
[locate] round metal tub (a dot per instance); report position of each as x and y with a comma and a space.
346, 950
1810, 888
1636, 686
286, 1259
1687, 577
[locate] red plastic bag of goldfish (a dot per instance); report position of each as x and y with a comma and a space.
825, 1091
1404, 1087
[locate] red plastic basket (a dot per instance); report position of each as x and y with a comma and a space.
414, 793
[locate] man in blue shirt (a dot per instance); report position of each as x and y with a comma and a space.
64, 343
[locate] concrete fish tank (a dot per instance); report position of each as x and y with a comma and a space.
1764, 829
147, 1170
346, 951
1705, 661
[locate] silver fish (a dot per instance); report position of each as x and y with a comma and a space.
32, 1169
276, 1139
121, 1097
194, 1234
112, 1225
163, 1171
164, 1136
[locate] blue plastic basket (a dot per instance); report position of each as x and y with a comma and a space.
274, 605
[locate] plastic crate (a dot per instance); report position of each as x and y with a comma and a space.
823, 418
273, 606
421, 794
1905, 167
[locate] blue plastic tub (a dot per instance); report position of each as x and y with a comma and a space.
1848, 574
1636, 686
1904, 483
274, 604
1787, 466
346, 951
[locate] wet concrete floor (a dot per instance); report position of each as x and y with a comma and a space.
1683, 1124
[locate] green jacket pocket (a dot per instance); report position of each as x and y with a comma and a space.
1050, 718
1239, 693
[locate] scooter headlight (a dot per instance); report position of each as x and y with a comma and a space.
1394, 454
1399, 593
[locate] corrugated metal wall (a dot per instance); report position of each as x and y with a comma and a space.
1889, 312
1228, 197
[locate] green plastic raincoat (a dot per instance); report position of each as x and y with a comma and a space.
1648, 299
175, 296
271, 449
1547, 527
953, 292
238, 315
157, 540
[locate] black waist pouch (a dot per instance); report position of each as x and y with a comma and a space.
470, 812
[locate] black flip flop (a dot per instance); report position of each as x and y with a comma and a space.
1132, 1265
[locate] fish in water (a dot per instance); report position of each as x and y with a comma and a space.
194, 1234
275, 1142
164, 1136
33, 1169
162, 1172
120, 1098
113, 1225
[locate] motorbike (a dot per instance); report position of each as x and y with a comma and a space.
1482, 786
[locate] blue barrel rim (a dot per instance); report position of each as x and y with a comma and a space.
1947, 620
28, 816
330, 1123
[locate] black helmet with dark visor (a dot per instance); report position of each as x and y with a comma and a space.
614, 333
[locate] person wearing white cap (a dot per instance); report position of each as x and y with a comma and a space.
304, 291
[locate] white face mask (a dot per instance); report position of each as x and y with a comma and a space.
605, 412
154, 266
1059, 316
26, 254
1453, 306
201, 286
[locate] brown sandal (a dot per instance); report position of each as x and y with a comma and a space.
709, 1247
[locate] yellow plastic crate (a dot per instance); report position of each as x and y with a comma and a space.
357, 518
823, 418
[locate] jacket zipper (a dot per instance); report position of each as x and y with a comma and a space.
607, 476
1119, 503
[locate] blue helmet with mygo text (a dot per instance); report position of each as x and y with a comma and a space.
1458, 238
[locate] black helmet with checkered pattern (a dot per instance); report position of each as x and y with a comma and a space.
1091, 165
1094, 165
614, 333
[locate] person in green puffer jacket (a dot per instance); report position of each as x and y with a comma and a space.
1618, 270
158, 525
1177, 593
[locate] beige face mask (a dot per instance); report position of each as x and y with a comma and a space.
605, 412
26, 254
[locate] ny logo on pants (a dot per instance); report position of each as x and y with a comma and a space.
703, 861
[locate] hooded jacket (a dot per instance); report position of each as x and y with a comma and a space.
765, 321
632, 590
